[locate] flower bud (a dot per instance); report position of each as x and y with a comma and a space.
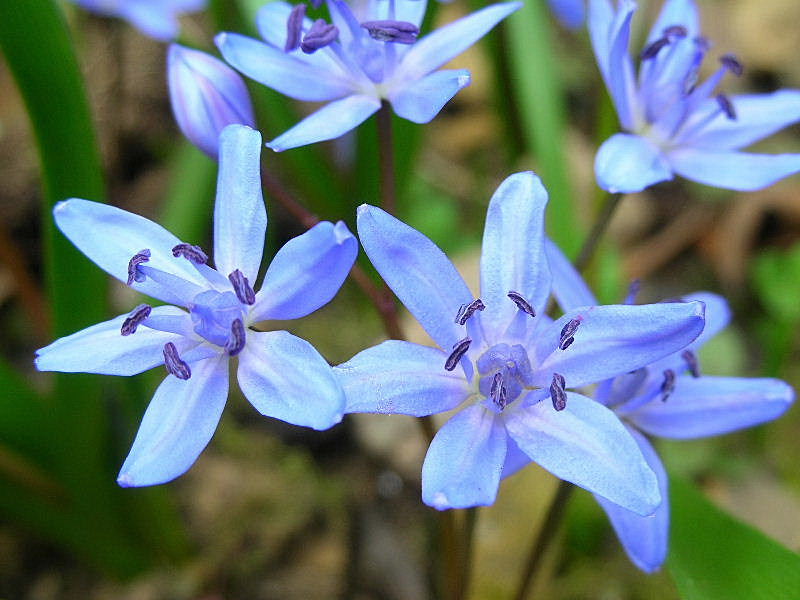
206, 96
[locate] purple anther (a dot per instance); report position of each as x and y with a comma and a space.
558, 393
133, 272
175, 366
675, 31
467, 310
732, 63
244, 292
294, 28
567, 333
235, 343
191, 253
459, 350
521, 303
703, 44
498, 392
320, 35
691, 361
668, 385
135, 318
653, 48
727, 106
399, 32
633, 291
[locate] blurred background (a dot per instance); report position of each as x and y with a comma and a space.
275, 511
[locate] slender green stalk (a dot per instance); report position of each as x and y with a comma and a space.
599, 228
386, 157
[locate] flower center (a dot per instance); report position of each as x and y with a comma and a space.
213, 314
505, 371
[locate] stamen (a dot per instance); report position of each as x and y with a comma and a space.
138, 258
459, 350
732, 64
191, 253
400, 32
175, 366
727, 106
521, 303
675, 31
294, 27
498, 392
467, 310
691, 361
320, 35
567, 333
651, 50
558, 392
235, 343
244, 292
135, 318
668, 385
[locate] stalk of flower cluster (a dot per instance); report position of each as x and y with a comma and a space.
386, 158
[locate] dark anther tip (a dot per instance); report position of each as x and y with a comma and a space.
675, 31
319, 35
498, 392
242, 287
558, 392
691, 362
732, 64
651, 50
467, 310
459, 349
294, 27
727, 106
668, 385
133, 264
521, 303
135, 318
399, 32
567, 333
191, 253
172, 361
236, 341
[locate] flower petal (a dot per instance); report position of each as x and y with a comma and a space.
645, 539
240, 218
513, 256
401, 378
616, 339
516, 459
705, 406
445, 43
589, 446
110, 236
733, 170
178, 424
416, 269
306, 272
463, 464
570, 12
569, 288
676, 12
421, 100
628, 163
284, 377
103, 349
329, 122
285, 73
151, 19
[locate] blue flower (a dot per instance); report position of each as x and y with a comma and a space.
505, 363
281, 375
670, 398
156, 18
356, 62
206, 96
674, 123
571, 13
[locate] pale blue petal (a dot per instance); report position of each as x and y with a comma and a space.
463, 464
401, 378
676, 12
151, 18
285, 73
628, 163
733, 170
569, 288
620, 69
421, 100
645, 539
103, 349
445, 43
177, 425
329, 122
240, 218
516, 459
705, 406
570, 12
589, 446
513, 256
600, 25
306, 272
616, 339
284, 377
419, 273
110, 236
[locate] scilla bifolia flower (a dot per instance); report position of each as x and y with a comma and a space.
671, 398
505, 363
206, 96
156, 18
282, 375
676, 123
368, 54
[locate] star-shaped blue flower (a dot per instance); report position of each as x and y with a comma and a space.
368, 54
505, 363
156, 18
670, 398
675, 123
282, 375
